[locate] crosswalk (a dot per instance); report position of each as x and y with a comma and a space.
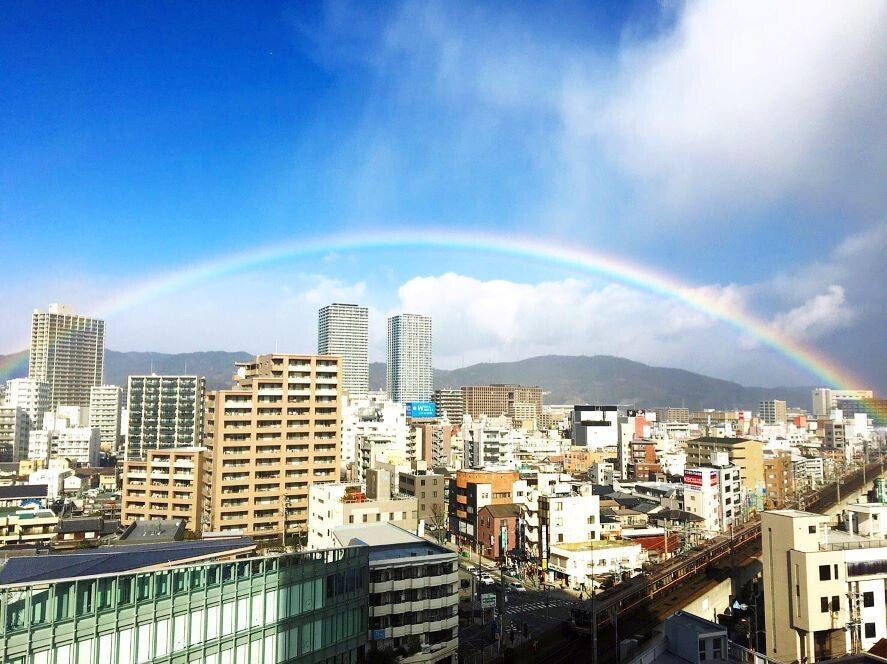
532, 607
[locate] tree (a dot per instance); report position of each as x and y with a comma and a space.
439, 522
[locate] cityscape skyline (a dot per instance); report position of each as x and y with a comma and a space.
777, 216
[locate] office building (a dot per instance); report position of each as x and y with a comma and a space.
185, 602
414, 593
14, 430
67, 352
713, 492
342, 504
824, 587
168, 484
672, 414
875, 409
342, 331
595, 427
269, 438
163, 412
450, 403
409, 372
514, 401
105, 404
825, 400
472, 489
772, 411
746, 453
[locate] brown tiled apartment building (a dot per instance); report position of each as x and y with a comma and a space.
271, 436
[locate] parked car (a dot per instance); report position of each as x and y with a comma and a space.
516, 587
487, 580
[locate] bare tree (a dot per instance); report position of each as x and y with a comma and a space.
438, 522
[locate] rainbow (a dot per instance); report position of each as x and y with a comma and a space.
531, 249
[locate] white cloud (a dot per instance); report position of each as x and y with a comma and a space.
817, 316
750, 101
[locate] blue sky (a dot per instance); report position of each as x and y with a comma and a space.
740, 148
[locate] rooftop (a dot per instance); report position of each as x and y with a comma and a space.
116, 559
387, 541
19, 491
592, 545
155, 530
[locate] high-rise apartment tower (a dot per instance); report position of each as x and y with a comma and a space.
342, 331
67, 352
409, 358
164, 412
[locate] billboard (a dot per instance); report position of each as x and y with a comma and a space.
693, 478
421, 409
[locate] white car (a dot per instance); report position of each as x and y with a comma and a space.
516, 587
487, 580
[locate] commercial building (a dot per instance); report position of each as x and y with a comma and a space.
269, 438
772, 411
825, 400
825, 588
342, 330
178, 602
579, 563
414, 593
105, 404
163, 412
168, 484
514, 401
472, 489
67, 352
449, 403
409, 372
594, 427
430, 492
746, 453
713, 492
569, 517
14, 426
498, 530
342, 504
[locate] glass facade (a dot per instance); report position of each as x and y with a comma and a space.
305, 607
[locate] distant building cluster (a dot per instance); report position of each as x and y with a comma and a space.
307, 490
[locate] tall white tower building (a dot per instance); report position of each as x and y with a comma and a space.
105, 404
342, 331
67, 351
409, 358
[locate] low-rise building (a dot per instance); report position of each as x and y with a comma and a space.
497, 530
577, 563
414, 593
26, 526
340, 504
168, 484
429, 490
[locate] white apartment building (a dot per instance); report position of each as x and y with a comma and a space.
14, 428
826, 594
375, 449
67, 352
163, 412
570, 517
414, 593
32, 396
53, 476
595, 427
714, 493
65, 438
341, 504
825, 400
371, 416
489, 442
342, 330
105, 403
580, 564
601, 473
409, 371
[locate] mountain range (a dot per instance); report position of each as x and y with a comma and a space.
565, 379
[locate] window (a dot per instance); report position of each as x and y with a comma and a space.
823, 604
868, 598
836, 603
811, 530
870, 630
836, 571
825, 573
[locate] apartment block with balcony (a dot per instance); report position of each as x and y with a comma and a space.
26, 526
105, 403
163, 412
168, 484
269, 439
414, 593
